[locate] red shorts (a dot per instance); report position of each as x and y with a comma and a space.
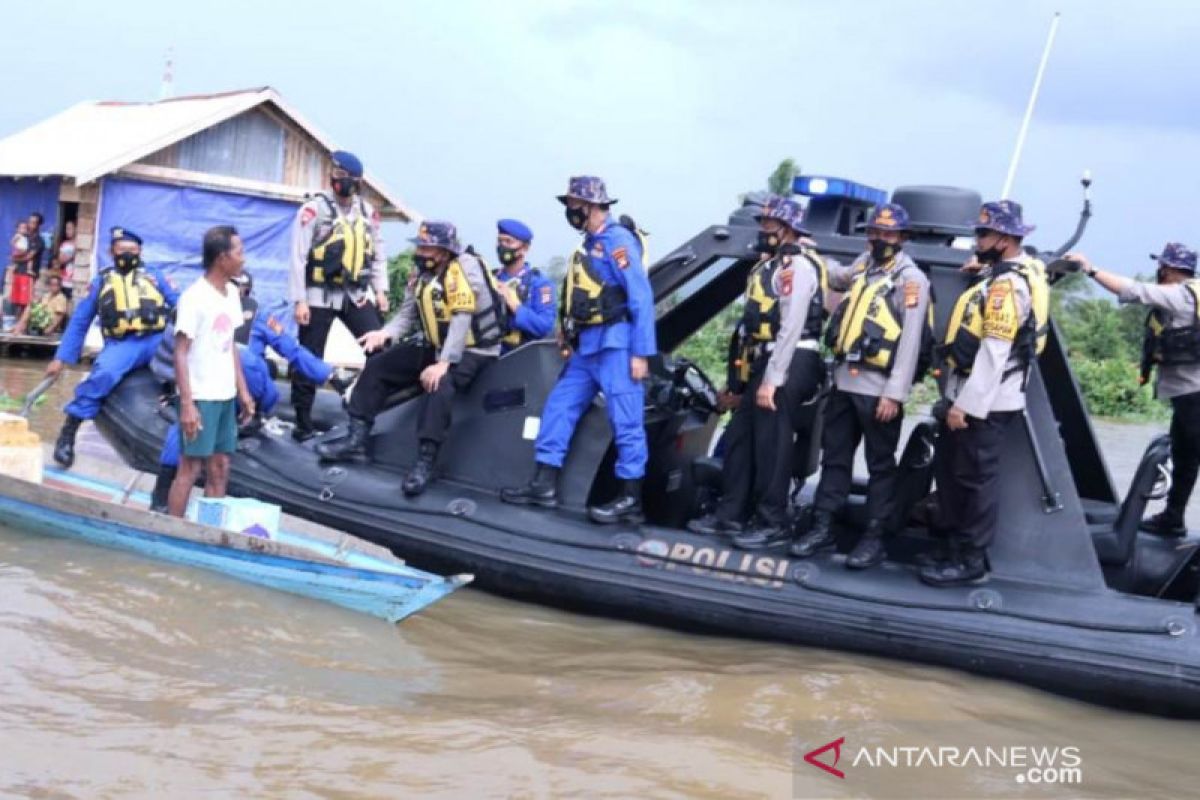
22, 290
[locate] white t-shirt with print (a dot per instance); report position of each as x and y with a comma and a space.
209, 318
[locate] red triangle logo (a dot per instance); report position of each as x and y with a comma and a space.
836, 747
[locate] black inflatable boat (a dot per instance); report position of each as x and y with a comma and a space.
1079, 602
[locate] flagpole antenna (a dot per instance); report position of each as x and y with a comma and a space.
1033, 96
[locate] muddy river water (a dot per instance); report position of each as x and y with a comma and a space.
121, 677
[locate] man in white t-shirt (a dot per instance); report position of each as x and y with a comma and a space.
208, 371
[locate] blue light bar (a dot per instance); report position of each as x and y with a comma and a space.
818, 186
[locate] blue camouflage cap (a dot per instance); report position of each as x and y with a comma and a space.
589, 189
121, 234
1178, 256
516, 229
787, 211
348, 162
1002, 216
888, 217
437, 233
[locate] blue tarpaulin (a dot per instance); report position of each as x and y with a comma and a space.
19, 199
172, 220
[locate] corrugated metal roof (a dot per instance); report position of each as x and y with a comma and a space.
92, 139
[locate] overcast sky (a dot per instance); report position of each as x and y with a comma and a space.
476, 110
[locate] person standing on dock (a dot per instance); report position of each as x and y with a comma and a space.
208, 369
876, 336
338, 271
1172, 342
131, 301
608, 323
996, 329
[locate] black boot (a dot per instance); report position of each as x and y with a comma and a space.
64, 448
712, 525
1167, 523
422, 471
541, 491
353, 447
870, 550
758, 536
303, 430
626, 507
819, 536
967, 566
162, 488
252, 427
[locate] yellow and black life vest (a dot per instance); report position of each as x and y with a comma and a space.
440, 297
971, 320
1172, 346
587, 300
761, 317
343, 249
130, 302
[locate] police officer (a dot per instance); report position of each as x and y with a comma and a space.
257, 332
452, 299
875, 336
528, 293
1173, 343
781, 362
996, 329
338, 271
608, 319
132, 301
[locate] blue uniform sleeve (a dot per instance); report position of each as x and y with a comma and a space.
626, 254
71, 346
535, 317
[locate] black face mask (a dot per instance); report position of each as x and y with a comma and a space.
990, 256
768, 242
343, 187
883, 252
577, 217
127, 261
425, 263
507, 255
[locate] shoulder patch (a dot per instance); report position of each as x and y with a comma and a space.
912, 294
1000, 312
547, 295
307, 215
598, 248
621, 256
784, 277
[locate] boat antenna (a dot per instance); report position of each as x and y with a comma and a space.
1033, 96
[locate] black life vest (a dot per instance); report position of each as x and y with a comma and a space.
129, 303
761, 317
1172, 346
249, 311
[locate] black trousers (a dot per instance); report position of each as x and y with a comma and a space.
398, 368
760, 445
1185, 450
359, 319
850, 418
967, 467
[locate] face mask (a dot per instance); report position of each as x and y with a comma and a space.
343, 187
127, 261
883, 252
507, 255
577, 217
768, 242
989, 256
424, 263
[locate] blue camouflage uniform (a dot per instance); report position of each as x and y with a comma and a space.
119, 357
265, 332
534, 318
600, 362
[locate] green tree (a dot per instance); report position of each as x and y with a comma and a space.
399, 267
781, 179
